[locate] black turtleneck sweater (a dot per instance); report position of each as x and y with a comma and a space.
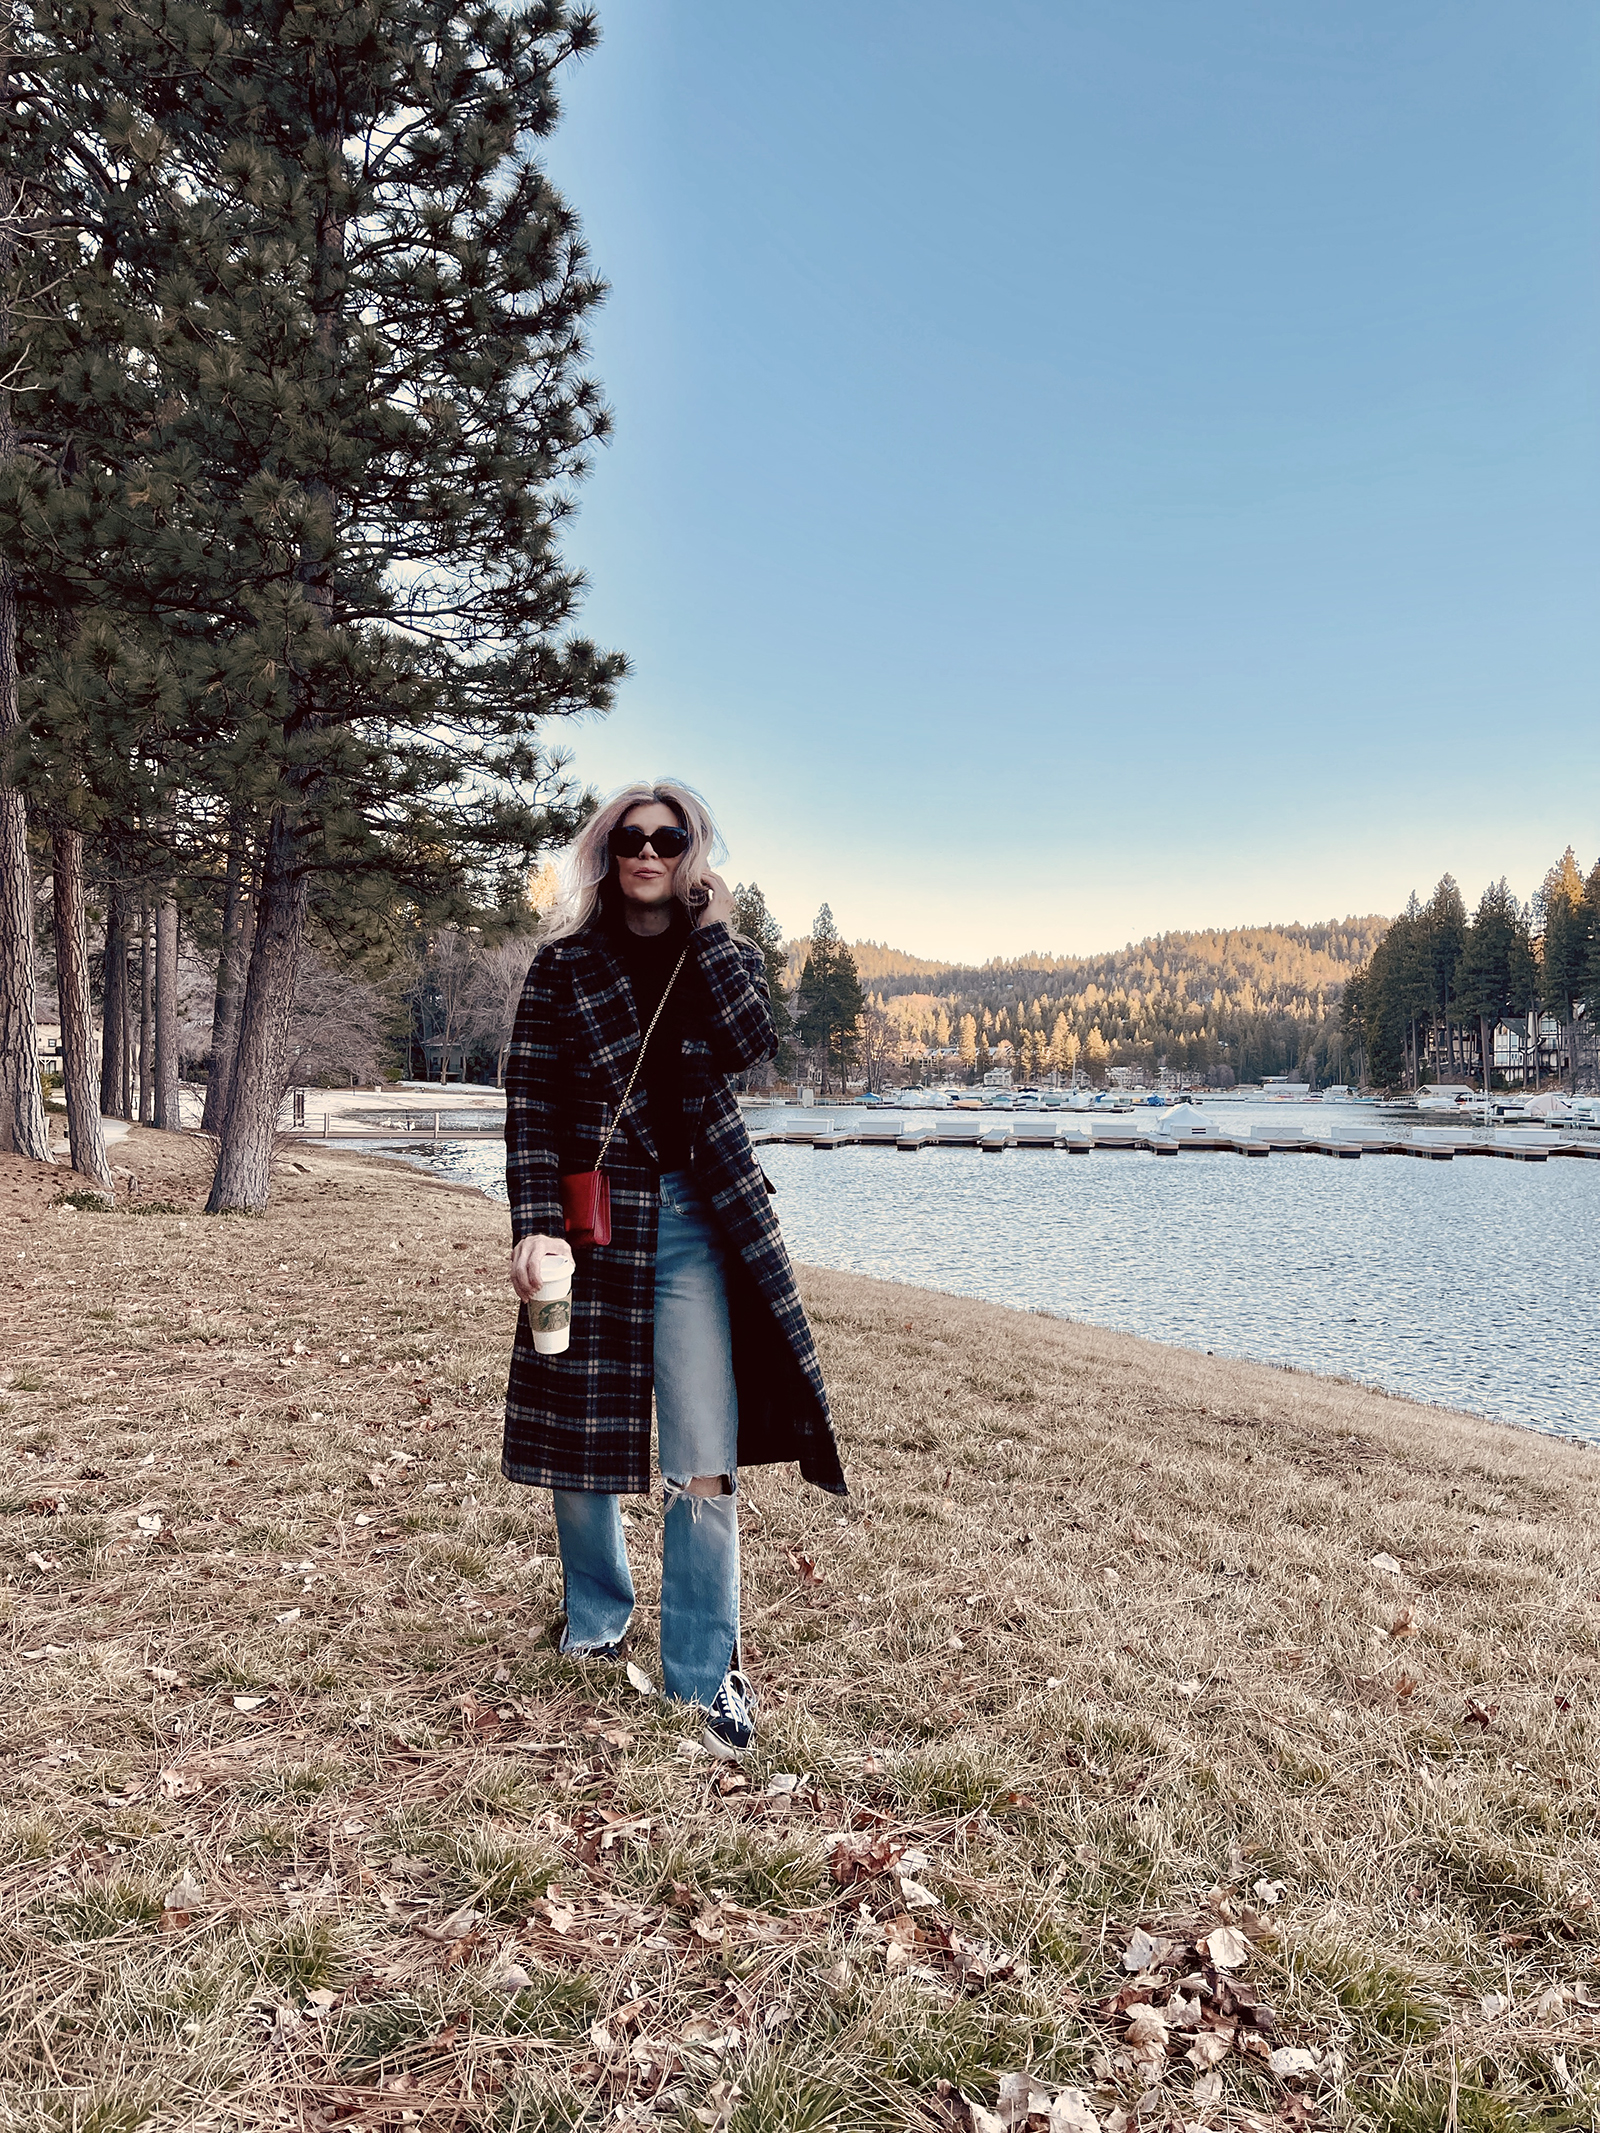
648, 959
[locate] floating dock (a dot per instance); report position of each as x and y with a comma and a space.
1187, 1131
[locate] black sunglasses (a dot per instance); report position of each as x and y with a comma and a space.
628, 842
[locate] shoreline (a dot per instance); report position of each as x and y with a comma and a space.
1109, 1637
1216, 1339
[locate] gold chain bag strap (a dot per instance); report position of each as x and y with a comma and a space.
586, 1194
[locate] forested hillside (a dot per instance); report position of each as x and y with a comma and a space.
1230, 1004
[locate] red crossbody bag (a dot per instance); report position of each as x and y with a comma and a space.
586, 1194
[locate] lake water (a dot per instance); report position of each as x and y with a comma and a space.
1472, 1284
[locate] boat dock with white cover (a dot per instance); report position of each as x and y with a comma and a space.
1187, 1129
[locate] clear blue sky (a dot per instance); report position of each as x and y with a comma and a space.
1085, 468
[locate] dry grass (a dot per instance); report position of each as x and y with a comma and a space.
1099, 1636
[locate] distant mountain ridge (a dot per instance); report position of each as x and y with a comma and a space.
1251, 999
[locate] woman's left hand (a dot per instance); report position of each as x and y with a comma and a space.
718, 903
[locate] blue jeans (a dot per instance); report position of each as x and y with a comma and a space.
697, 1433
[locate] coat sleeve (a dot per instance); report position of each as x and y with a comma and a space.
734, 973
530, 1107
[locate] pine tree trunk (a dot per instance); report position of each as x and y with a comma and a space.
167, 1014
22, 1123
147, 1016
125, 1109
231, 964
114, 1007
84, 1136
244, 1157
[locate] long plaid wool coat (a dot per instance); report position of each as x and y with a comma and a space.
581, 1420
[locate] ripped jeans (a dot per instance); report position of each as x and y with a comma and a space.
697, 1434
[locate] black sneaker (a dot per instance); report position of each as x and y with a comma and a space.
730, 1726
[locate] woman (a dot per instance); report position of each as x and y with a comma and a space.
693, 1298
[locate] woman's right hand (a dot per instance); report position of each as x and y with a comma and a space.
534, 1262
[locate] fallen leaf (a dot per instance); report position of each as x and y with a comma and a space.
717, 2109
456, 1927
640, 1680
1140, 1950
1388, 1565
1227, 1947
186, 1894
1071, 2113
858, 1862
1207, 2090
984, 2121
291, 1614
1402, 1625
981, 1960
1147, 2035
1290, 2061
1494, 2005
803, 1567
148, 1522
1550, 2004
38, 1561
1209, 2047
1019, 2099
510, 1979
319, 1999
708, 2034
916, 1897
1479, 1714
250, 1703
1268, 1893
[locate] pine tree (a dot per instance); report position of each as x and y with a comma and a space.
756, 923
22, 1122
364, 354
967, 1044
830, 999
1496, 974
1564, 945
1058, 1045
1445, 921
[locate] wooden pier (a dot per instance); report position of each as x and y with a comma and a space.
1196, 1134
1187, 1130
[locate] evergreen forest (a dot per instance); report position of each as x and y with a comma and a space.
1217, 1007
294, 405
1516, 986
1397, 1004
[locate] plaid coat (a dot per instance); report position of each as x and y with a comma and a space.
581, 1420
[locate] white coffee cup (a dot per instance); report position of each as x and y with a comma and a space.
549, 1310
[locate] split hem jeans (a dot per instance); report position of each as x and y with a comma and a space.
697, 1433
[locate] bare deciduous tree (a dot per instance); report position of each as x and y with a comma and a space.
337, 1026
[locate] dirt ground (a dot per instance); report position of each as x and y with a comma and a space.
1151, 1740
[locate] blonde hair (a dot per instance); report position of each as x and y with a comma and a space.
588, 860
